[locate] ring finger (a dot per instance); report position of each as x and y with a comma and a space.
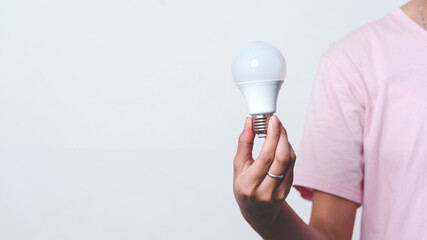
280, 163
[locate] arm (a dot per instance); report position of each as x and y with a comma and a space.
332, 218
262, 199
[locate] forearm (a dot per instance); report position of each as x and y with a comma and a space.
287, 225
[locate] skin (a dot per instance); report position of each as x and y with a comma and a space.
262, 199
411, 9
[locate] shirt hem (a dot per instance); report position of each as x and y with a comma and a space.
305, 185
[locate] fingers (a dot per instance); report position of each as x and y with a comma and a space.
281, 163
282, 156
244, 148
293, 155
286, 182
268, 150
253, 187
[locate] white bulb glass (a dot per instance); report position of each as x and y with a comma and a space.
259, 70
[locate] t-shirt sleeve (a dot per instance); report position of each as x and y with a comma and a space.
330, 157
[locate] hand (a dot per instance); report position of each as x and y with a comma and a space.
259, 195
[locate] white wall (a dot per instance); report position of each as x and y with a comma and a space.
119, 119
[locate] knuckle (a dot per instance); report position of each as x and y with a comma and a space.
265, 161
293, 156
248, 193
283, 158
265, 198
266, 157
242, 138
236, 165
279, 198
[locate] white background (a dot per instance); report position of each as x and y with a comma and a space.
119, 119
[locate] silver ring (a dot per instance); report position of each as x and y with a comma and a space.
276, 177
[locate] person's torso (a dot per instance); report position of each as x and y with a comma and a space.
391, 60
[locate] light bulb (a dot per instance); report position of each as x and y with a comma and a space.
259, 70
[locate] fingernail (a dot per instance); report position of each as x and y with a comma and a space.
276, 121
247, 121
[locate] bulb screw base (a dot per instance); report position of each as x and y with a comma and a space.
261, 124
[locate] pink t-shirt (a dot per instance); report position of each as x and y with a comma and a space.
365, 136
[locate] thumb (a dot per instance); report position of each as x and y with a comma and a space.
244, 148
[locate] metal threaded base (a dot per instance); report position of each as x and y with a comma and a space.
261, 124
